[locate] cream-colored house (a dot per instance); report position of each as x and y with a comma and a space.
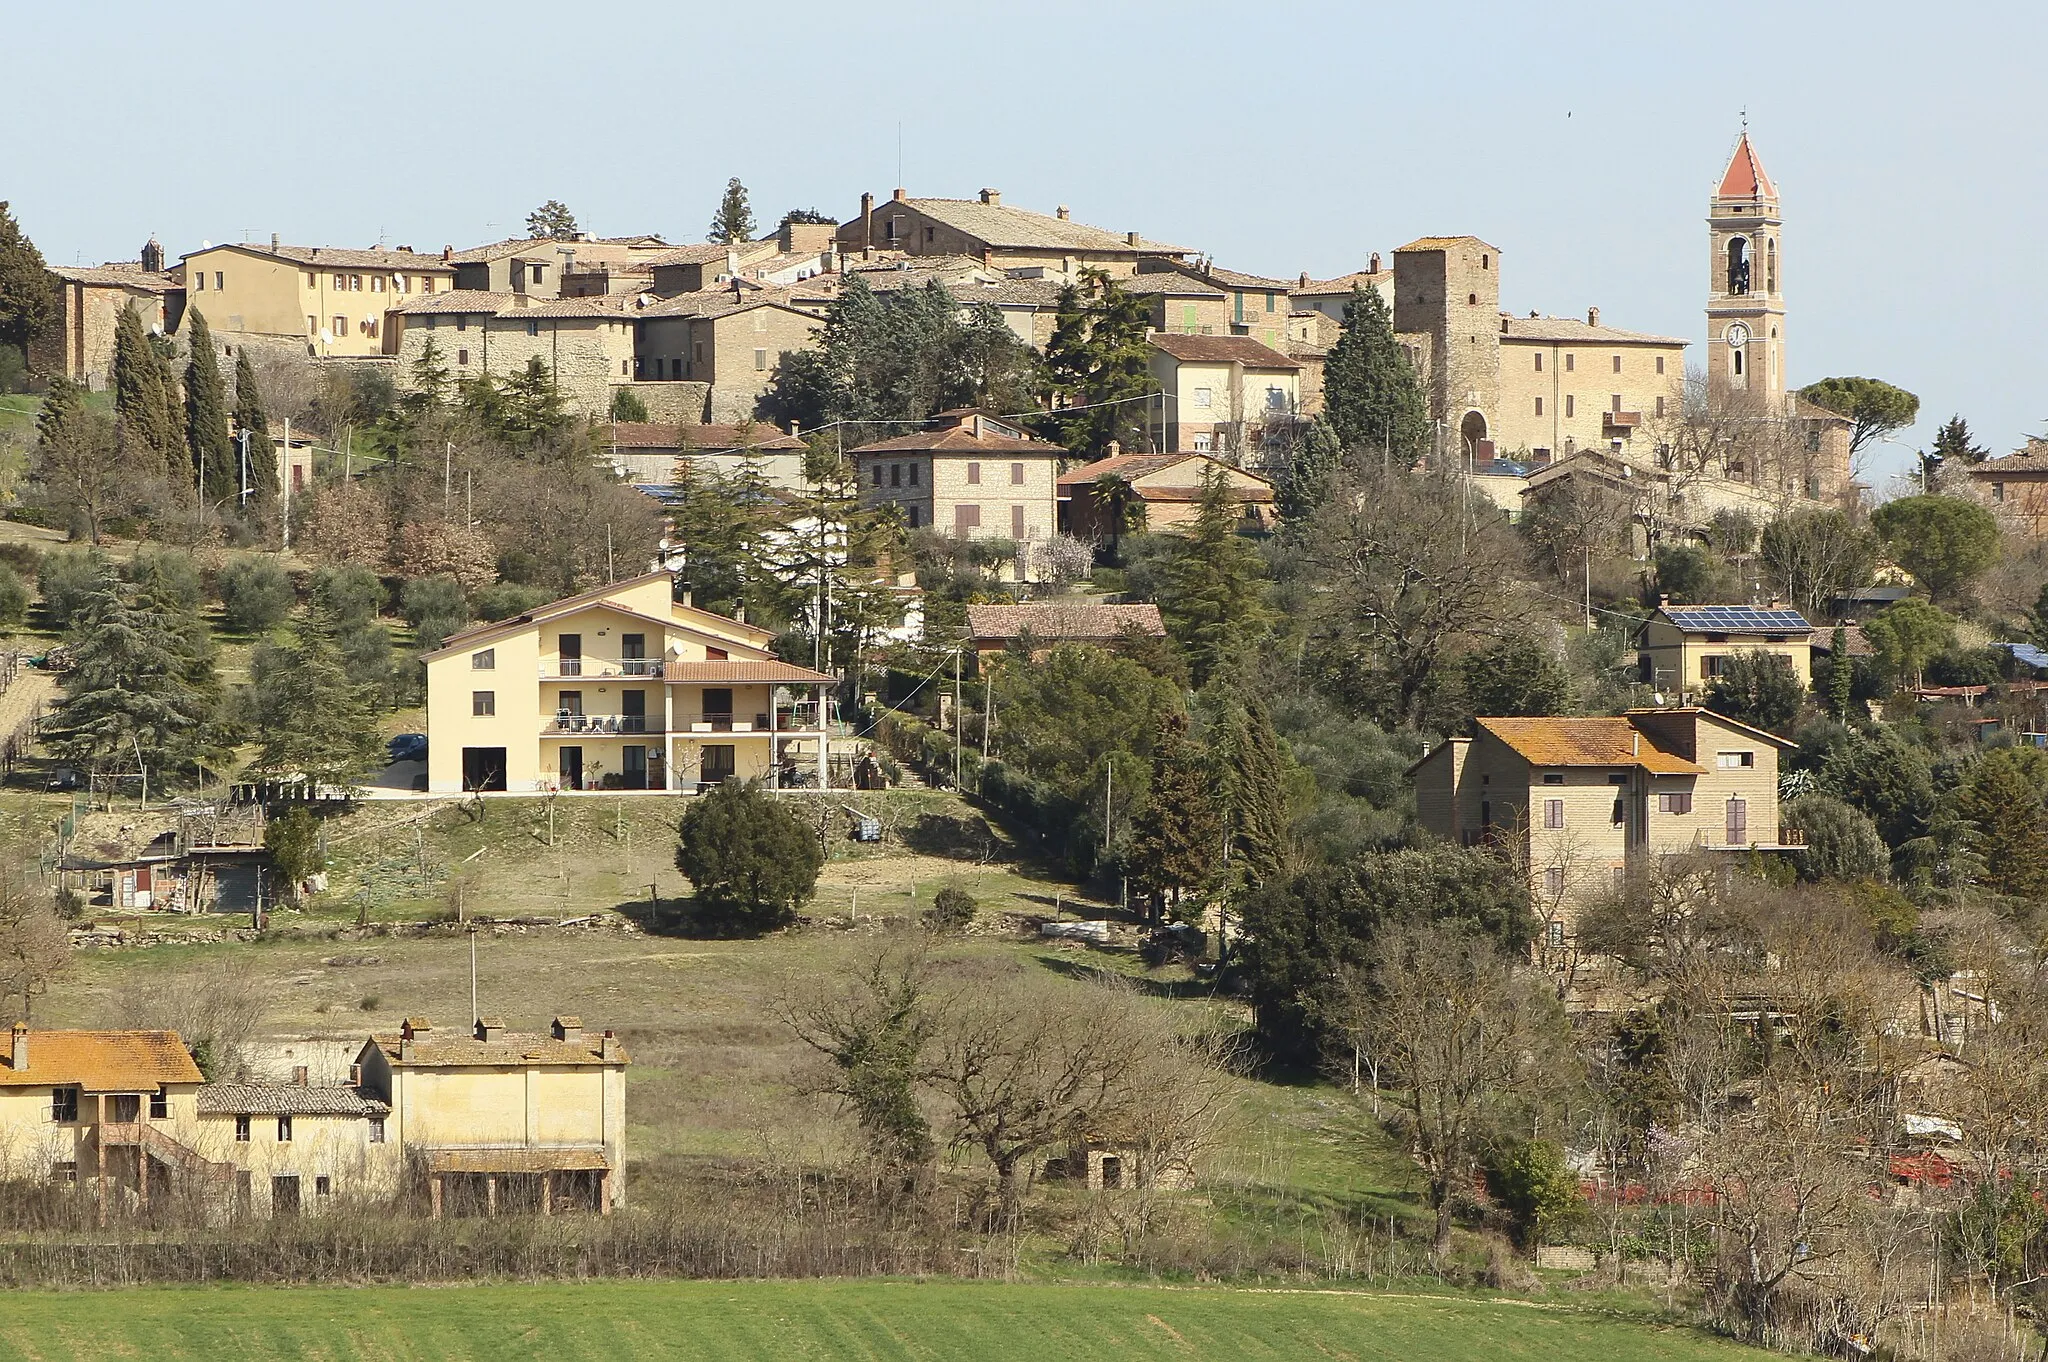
620, 688
973, 477
652, 453
299, 1148
1684, 648
1222, 395
1586, 802
333, 300
1002, 236
1567, 385
1168, 486
496, 1120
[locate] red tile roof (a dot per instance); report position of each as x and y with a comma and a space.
1054, 622
740, 672
100, 1061
1222, 350
1745, 178
657, 435
958, 440
1586, 742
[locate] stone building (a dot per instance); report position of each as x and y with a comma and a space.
730, 338
973, 477
90, 300
1001, 236
2016, 487
541, 267
1568, 385
587, 343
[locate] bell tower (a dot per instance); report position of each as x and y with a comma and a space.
1745, 307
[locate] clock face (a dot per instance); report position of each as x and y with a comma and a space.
1738, 335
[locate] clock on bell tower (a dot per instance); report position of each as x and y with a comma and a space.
1745, 307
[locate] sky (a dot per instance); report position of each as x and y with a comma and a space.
1583, 139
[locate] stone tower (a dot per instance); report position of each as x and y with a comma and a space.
1745, 307
1447, 302
153, 256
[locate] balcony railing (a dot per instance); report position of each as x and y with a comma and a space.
580, 669
601, 725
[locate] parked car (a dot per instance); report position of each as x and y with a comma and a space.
407, 747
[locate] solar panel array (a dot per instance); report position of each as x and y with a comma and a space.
1737, 619
2027, 653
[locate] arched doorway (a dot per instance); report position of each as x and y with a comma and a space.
1472, 435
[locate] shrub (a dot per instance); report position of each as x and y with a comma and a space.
425, 598
67, 578
295, 851
627, 406
750, 859
13, 596
255, 595
1537, 1188
171, 574
952, 909
352, 594
503, 600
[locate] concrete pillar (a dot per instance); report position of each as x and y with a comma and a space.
491, 1194
141, 1175
99, 1157
434, 1196
547, 1194
604, 1192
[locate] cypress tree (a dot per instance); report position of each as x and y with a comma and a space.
1213, 592
734, 220
1840, 673
1178, 837
1369, 388
149, 434
206, 418
28, 293
1259, 797
251, 417
63, 412
1099, 359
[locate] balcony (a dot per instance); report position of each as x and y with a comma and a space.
1753, 839
584, 669
601, 725
1621, 420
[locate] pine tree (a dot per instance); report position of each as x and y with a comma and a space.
2011, 825
1177, 839
1953, 441
79, 471
1213, 592
250, 417
28, 293
1100, 365
1306, 483
429, 390
140, 685
313, 719
1369, 387
206, 418
552, 221
151, 433
1259, 801
734, 220
1841, 673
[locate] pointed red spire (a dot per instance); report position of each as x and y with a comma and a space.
1745, 178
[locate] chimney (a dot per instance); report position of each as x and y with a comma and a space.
795, 430
988, 257
1374, 267
1304, 279
1592, 316
19, 1059
1635, 743
569, 1030
901, 194
1130, 238
608, 1047
273, 243
686, 599
1663, 601
447, 254
302, 1077
739, 614
1112, 449
1061, 213
992, 197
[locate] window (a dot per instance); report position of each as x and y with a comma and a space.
1738, 363
64, 1172
1660, 406
284, 1130
340, 326
928, 233
355, 283
1204, 397
1539, 406
1272, 301
1619, 814
1016, 522
532, 328
1617, 364
1553, 879
323, 1185
64, 1106
484, 661
160, 1105
312, 281
1553, 934
483, 704
966, 517
1204, 443
370, 327
462, 356
376, 1130
427, 284
1614, 403
1710, 667
1471, 300
1675, 801
913, 517
895, 475
878, 475
199, 278
1998, 491
1539, 361
538, 272
241, 1130
220, 281
1570, 406
1016, 475
462, 321
913, 474
398, 282
376, 283
1738, 820
312, 326
1660, 364
760, 361
1735, 761
341, 283
974, 475
1571, 363
1276, 399
1553, 778
1553, 814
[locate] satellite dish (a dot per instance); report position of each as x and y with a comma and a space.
326, 336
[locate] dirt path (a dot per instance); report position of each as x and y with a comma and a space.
18, 702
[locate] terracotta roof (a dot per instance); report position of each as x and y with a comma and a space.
999, 226
1134, 466
337, 257
1586, 742
1443, 243
1216, 274
1222, 350
1343, 283
655, 435
723, 301
462, 300
2032, 459
1576, 331
742, 672
1745, 178
1169, 282
1056, 622
477, 633
960, 440
460, 1050
603, 305
1854, 641
100, 1061
521, 245
120, 273
710, 251
286, 1099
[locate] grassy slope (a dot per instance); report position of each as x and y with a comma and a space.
819, 1320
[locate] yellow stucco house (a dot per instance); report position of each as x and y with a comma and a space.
1221, 394
1685, 648
621, 688
333, 300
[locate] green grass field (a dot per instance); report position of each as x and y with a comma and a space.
820, 1320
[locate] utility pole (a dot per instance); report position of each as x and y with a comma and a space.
475, 1012
447, 477
1589, 586
956, 715
243, 503
287, 480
